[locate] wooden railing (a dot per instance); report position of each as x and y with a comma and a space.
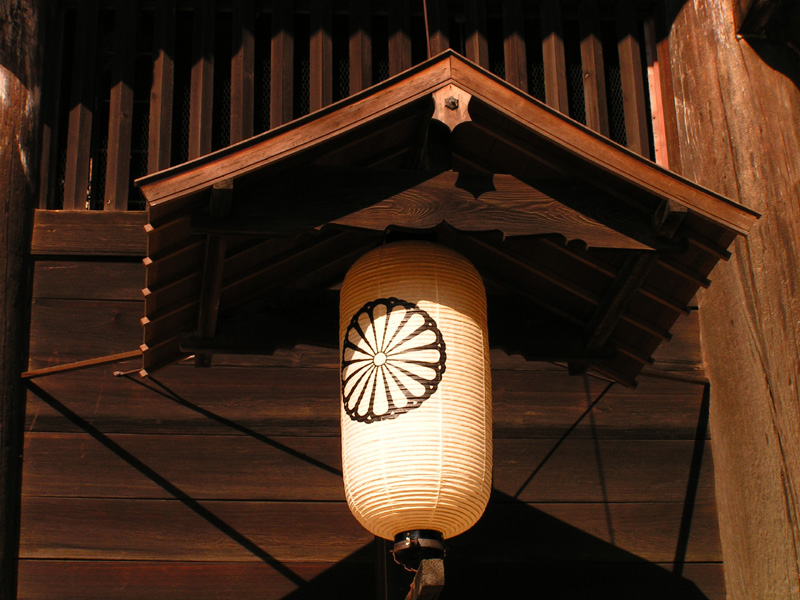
136, 87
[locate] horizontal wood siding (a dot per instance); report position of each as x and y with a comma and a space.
91, 580
225, 482
152, 479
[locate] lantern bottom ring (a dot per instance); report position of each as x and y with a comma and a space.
412, 547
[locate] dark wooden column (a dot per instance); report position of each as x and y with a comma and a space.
737, 115
20, 79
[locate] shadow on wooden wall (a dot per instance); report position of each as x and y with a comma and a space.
515, 550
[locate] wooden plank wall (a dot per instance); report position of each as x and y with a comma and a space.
745, 91
134, 88
224, 482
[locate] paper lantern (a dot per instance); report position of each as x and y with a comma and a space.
415, 393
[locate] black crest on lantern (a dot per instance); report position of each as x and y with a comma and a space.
393, 358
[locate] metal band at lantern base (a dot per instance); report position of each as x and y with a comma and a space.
412, 547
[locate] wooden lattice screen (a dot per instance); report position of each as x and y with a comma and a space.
136, 87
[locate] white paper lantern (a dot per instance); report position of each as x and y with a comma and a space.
416, 406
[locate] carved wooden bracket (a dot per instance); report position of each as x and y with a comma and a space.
451, 106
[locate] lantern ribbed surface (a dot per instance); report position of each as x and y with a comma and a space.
416, 407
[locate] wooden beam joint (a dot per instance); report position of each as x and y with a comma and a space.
213, 266
668, 218
611, 308
429, 581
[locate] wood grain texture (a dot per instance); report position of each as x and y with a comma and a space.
682, 355
82, 233
555, 70
527, 403
733, 106
321, 55
656, 95
668, 98
399, 36
438, 25
97, 580
189, 530
159, 139
428, 581
90, 280
76, 173
65, 331
202, 79
52, 99
120, 117
476, 44
514, 47
239, 466
632, 75
121, 529
282, 65
360, 45
22, 34
593, 68
377, 200
199, 580
242, 71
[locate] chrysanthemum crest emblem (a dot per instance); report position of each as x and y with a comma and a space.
393, 358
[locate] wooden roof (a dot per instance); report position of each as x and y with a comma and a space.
589, 251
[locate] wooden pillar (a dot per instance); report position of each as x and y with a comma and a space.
360, 45
514, 49
321, 55
476, 44
399, 36
20, 80
120, 118
282, 71
555, 69
632, 75
738, 111
81, 112
242, 71
159, 140
202, 92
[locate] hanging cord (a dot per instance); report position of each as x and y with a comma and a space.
427, 27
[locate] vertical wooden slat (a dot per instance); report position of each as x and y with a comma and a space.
399, 36
213, 267
243, 62
630, 64
79, 134
438, 36
120, 114
159, 140
555, 69
22, 39
202, 82
514, 44
667, 94
594, 77
321, 55
360, 45
282, 64
654, 87
51, 102
475, 44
